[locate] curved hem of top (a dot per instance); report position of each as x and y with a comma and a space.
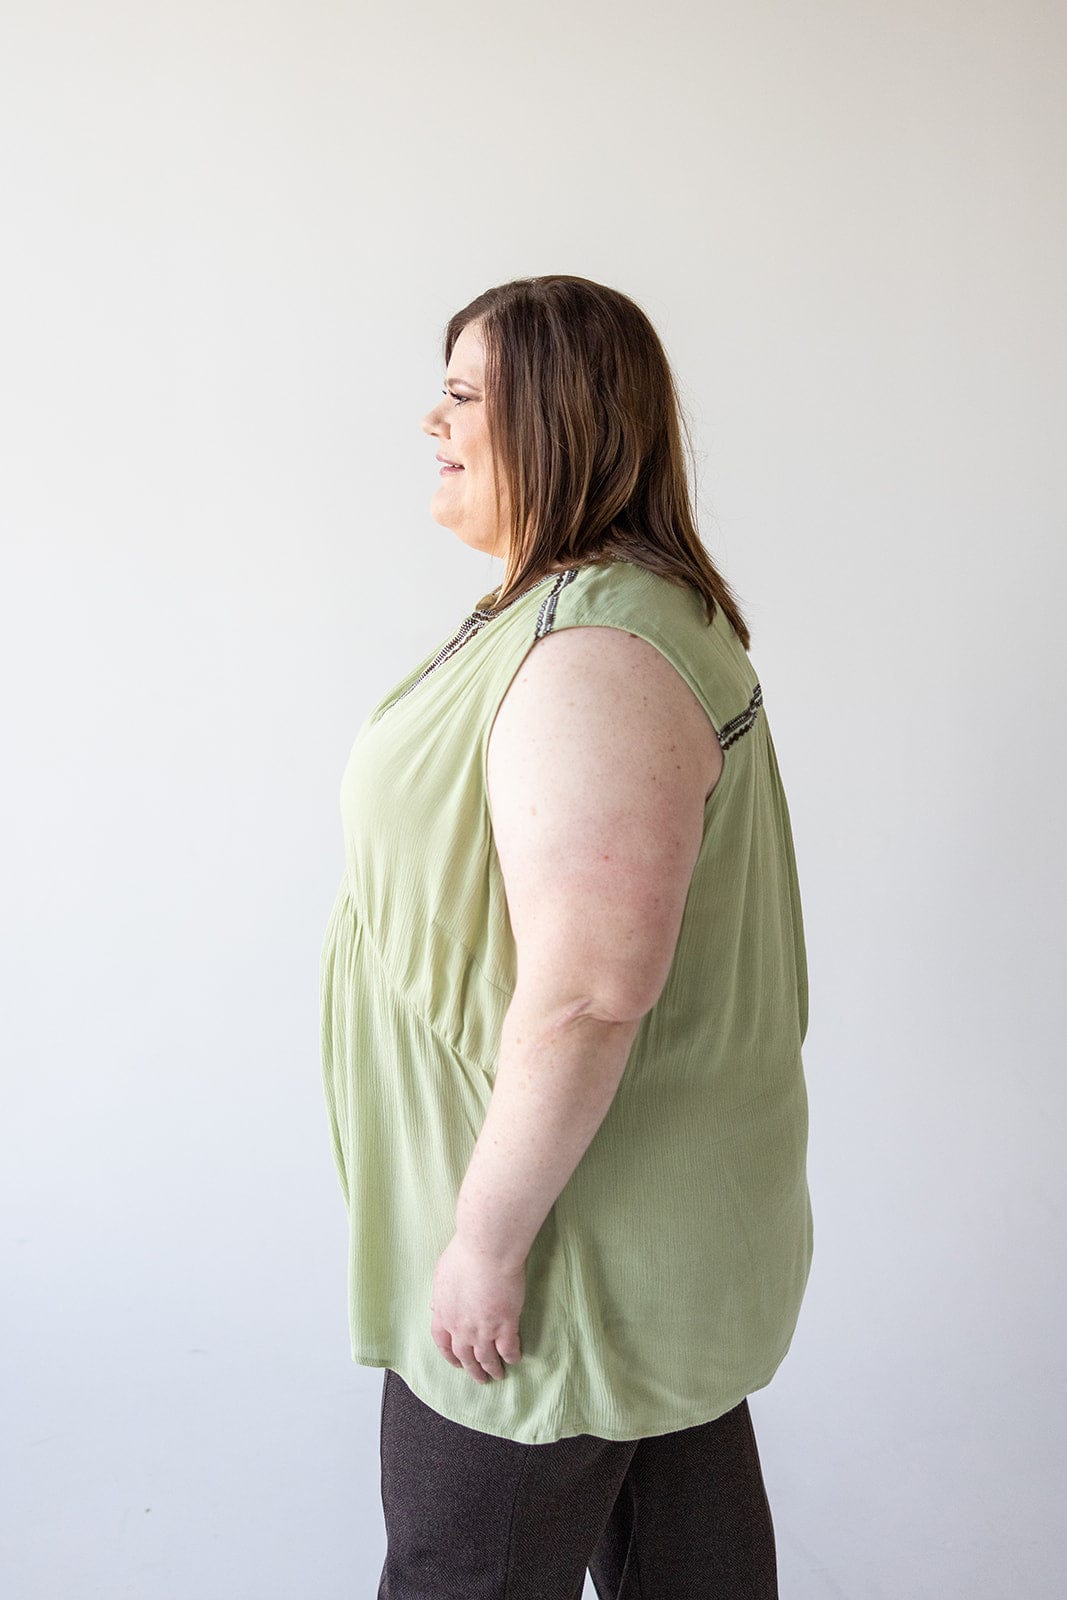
612, 1438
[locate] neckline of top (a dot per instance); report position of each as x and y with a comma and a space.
487, 614
468, 629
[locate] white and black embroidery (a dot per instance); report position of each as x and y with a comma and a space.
479, 617
547, 614
729, 733
732, 730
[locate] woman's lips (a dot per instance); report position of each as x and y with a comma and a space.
449, 470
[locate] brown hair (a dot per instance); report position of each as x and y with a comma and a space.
586, 426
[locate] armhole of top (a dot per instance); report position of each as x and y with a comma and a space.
549, 621
727, 730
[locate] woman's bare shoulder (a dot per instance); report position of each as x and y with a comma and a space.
597, 776
604, 684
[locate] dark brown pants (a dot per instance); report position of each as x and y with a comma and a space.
468, 1516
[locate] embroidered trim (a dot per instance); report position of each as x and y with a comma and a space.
547, 614
477, 621
468, 628
732, 730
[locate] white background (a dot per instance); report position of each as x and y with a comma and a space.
233, 235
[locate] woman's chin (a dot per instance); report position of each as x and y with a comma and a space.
441, 515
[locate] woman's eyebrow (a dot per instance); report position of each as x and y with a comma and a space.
464, 381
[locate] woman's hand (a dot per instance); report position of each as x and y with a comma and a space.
476, 1305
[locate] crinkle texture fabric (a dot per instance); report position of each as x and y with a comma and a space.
666, 1281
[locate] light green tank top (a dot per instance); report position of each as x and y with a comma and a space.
666, 1281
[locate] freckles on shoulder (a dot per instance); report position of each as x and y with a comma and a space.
594, 771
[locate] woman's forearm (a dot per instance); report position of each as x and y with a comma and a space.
557, 1074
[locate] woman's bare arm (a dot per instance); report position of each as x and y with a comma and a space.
599, 764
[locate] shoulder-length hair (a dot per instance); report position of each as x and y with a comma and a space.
585, 427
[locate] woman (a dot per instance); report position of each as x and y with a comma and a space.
564, 992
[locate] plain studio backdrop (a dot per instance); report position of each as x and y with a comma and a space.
233, 235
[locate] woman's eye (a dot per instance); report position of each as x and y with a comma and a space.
458, 398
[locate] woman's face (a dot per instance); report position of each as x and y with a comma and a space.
464, 500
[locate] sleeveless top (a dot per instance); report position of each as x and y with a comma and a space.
666, 1280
